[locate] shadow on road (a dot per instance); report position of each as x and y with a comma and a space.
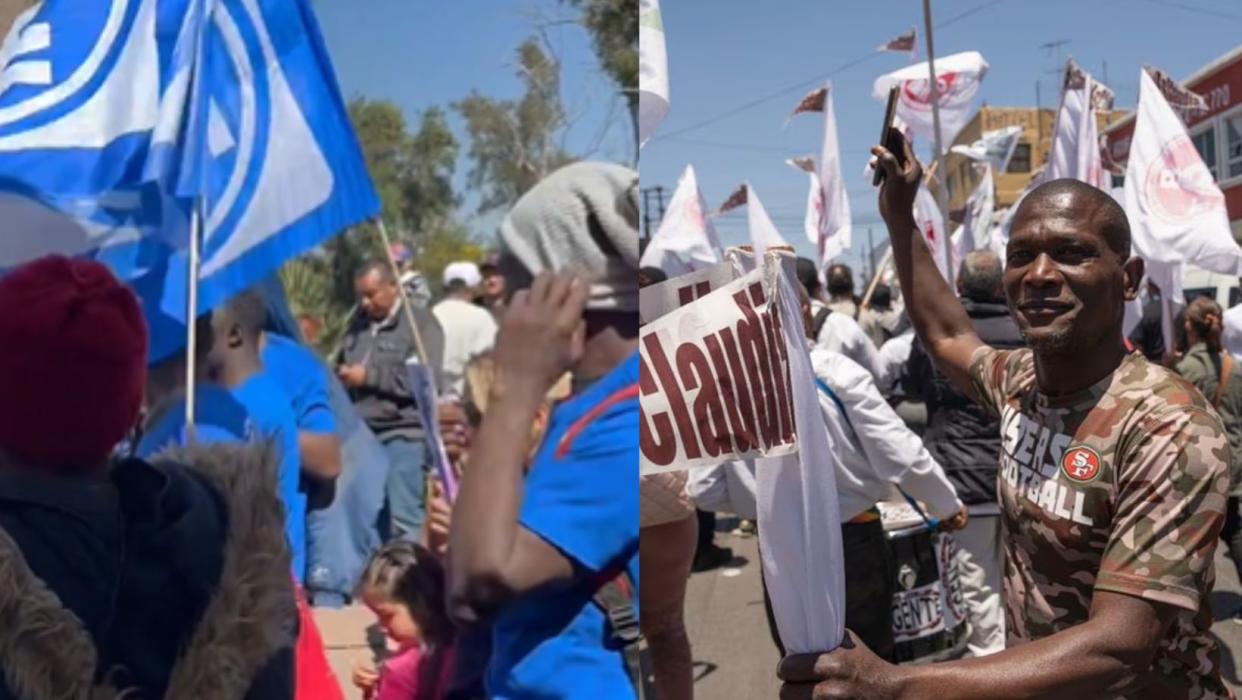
1224, 605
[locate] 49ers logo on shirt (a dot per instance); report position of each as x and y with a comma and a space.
1081, 464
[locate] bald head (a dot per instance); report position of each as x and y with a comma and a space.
1077, 200
979, 278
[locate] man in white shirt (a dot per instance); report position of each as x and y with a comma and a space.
837, 331
469, 330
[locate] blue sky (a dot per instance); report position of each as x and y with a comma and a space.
726, 53
422, 54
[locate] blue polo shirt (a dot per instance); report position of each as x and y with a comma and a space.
271, 413
304, 379
218, 417
582, 498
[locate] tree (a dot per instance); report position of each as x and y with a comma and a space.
613, 25
514, 144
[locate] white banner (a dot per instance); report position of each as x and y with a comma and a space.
715, 381
657, 300
980, 208
957, 76
686, 239
1177, 213
763, 233
652, 70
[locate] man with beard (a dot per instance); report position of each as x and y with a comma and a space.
1113, 472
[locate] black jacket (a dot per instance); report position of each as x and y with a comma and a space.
159, 579
960, 435
385, 402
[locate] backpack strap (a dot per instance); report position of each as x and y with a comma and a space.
614, 596
817, 323
1226, 370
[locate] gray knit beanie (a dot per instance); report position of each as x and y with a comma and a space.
582, 217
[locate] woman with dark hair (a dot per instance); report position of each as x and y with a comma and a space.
1214, 373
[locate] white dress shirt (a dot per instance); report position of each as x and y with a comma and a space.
893, 359
872, 448
469, 331
842, 334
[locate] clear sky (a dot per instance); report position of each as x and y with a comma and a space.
424, 53
725, 54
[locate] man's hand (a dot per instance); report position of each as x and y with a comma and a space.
542, 335
850, 672
352, 376
901, 182
957, 522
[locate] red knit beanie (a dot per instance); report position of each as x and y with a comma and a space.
73, 350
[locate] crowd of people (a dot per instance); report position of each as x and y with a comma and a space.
149, 553
1085, 477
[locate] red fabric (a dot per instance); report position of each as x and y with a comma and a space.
73, 353
315, 679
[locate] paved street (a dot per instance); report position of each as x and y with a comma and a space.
735, 658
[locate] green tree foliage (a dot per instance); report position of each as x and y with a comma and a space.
514, 144
613, 25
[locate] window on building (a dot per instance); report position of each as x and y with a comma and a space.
1021, 161
1233, 145
1205, 144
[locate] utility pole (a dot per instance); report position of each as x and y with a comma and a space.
652, 195
942, 198
659, 190
646, 213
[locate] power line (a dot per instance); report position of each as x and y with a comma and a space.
752, 146
1194, 8
788, 89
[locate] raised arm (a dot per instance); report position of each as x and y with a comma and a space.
938, 318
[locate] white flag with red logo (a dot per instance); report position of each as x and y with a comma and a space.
958, 77
652, 70
686, 240
1075, 152
931, 225
828, 209
1176, 211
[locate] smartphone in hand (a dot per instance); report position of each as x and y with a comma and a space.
890, 138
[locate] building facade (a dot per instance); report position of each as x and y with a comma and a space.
1217, 134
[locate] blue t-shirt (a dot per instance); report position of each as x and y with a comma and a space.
304, 380
584, 503
218, 417
272, 416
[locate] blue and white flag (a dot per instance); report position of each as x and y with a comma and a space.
117, 117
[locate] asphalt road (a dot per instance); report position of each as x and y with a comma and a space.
735, 658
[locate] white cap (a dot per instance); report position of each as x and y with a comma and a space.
467, 272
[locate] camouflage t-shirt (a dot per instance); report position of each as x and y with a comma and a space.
1119, 487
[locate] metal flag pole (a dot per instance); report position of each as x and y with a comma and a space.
406, 305
191, 342
942, 193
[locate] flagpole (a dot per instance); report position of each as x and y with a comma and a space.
405, 303
942, 193
191, 344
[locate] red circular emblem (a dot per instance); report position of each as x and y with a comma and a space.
1178, 185
916, 94
1081, 464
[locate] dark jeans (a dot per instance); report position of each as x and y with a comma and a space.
869, 584
1231, 534
707, 530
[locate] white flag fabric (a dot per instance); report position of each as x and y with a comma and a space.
763, 233
995, 147
686, 239
814, 201
957, 76
980, 209
652, 70
1075, 151
834, 228
931, 224
799, 516
1176, 211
